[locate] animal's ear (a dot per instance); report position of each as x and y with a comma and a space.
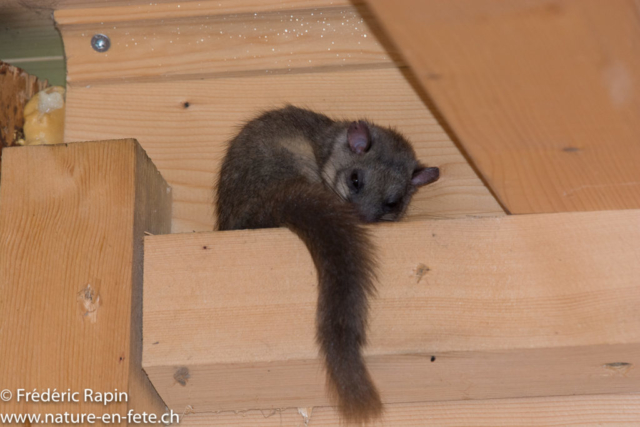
359, 137
423, 176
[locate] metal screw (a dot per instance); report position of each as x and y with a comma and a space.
100, 43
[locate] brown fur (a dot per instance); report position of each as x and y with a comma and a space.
322, 178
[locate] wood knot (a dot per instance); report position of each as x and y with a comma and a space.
182, 375
89, 302
421, 270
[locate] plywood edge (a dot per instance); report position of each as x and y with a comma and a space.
467, 309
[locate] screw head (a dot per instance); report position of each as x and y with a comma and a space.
100, 43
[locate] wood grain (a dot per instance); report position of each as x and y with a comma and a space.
233, 44
72, 219
543, 95
580, 411
109, 11
533, 309
187, 144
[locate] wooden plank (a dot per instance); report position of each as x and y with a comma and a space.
187, 144
584, 411
235, 44
228, 6
72, 219
514, 306
108, 11
542, 95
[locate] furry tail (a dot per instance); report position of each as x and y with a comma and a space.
343, 255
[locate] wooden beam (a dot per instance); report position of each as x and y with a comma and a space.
467, 309
201, 42
185, 126
619, 410
72, 219
71, 12
542, 95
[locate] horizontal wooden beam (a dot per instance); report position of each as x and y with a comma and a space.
619, 410
467, 309
185, 131
207, 43
72, 219
79, 12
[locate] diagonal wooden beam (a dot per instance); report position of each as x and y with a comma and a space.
541, 95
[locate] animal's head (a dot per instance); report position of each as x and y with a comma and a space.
376, 169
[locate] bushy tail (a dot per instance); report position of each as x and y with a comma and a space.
343, 255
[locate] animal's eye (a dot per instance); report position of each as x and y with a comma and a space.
355, 181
